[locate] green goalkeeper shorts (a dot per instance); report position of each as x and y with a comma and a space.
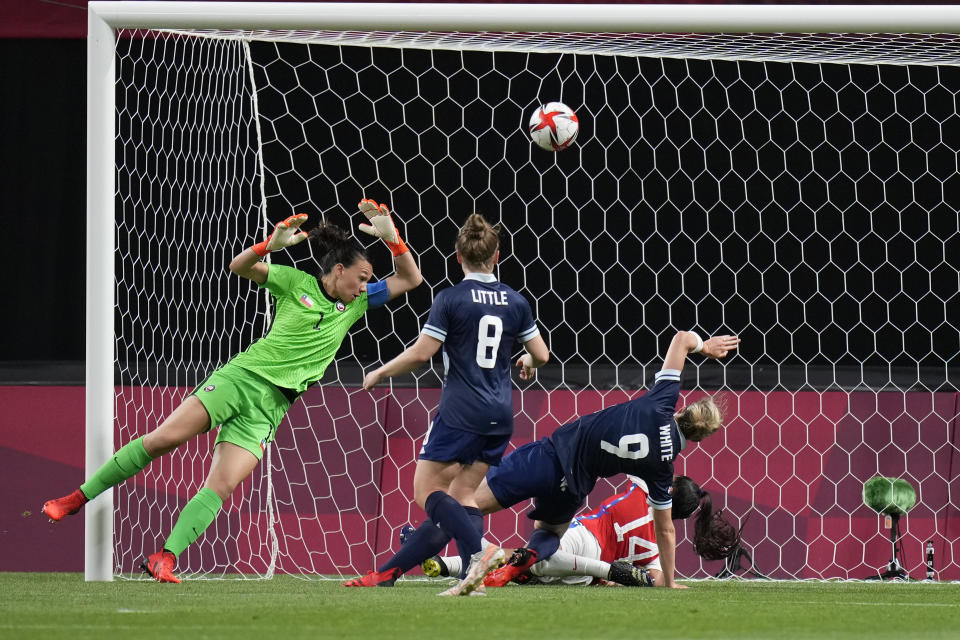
247, 408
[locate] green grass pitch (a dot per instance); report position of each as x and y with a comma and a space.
62, 605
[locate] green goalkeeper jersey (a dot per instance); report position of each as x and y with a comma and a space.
307, 330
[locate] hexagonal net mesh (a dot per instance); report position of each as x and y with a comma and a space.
805, 206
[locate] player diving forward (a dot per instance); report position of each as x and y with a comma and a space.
615, 542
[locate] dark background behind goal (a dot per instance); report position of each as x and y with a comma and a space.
855, 283
812, 209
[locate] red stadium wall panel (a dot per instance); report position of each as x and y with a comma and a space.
789, 468
41, 451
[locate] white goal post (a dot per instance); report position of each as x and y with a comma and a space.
897, 35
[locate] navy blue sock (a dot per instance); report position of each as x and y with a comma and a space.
451, 516
544, 542
476, 517
427, 541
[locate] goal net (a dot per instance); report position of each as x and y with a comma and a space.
800, 190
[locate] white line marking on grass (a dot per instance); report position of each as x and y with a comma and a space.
111, 627
900, 604
862, 604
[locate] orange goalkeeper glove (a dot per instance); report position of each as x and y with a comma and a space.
381, 226
285, 234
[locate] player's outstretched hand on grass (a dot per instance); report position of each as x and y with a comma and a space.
381, 225
719, 346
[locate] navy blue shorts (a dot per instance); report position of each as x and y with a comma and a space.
533, 471
444, 443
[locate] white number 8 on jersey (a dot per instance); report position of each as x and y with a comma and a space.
485, 341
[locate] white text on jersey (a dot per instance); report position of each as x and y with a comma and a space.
666, 443
498, 298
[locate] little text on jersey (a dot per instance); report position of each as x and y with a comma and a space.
498, 298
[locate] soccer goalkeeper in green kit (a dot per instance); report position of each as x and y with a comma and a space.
249, 395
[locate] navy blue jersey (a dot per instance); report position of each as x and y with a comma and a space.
478, 321
638, 437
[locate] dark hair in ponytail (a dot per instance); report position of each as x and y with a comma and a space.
334, 245
686, 497
713, 538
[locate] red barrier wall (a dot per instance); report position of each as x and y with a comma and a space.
791, 466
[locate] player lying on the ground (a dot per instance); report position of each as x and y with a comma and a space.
248, 396
615, 542
640, 437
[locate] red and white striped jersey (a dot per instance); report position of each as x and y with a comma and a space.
623, 526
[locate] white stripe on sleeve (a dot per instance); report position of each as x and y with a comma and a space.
434, 332
529, 334
672, 375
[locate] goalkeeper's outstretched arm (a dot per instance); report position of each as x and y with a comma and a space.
412, 358
246, 264
381, 226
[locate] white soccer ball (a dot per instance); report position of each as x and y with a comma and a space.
554, 126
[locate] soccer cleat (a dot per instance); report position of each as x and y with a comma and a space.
375, 579
523, 578
160, 566
435, 567
405, 533
628, 575
60, 508
479, 591
521, 560
481, 563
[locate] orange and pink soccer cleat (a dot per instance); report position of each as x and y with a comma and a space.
160, 566
375, 579
518, 564
60, 508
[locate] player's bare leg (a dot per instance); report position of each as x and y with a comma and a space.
486, 502
187, 421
